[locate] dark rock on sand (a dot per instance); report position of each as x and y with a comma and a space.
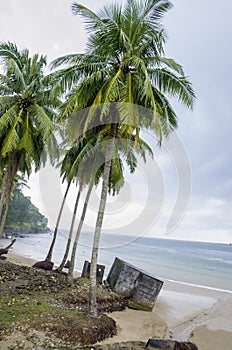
169, 345
44, 265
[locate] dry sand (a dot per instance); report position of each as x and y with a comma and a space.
182, 312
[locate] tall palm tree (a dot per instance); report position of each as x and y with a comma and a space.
93, 168
52, 245
124, 63
68, 174
71, 164
27, 115
80, 163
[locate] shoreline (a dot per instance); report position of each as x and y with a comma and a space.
182, 312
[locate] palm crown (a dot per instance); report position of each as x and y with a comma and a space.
125, 62
27, 116
27, 107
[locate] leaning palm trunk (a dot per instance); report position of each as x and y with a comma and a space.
3, 195
73, 256
4, 216
60, 268
93, 267
11, 171
49, 255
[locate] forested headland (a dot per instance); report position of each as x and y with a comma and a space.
23, 216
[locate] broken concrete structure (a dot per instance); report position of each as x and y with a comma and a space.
140, 287
86, 271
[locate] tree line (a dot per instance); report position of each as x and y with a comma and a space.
98, 102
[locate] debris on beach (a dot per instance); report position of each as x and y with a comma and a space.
140, 287
4, 251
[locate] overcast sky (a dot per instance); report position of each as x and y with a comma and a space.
199, 39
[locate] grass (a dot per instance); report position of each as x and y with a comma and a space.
35, 301
31, 310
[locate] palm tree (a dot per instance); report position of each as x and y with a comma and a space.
18, 181
27, 115
92, 170
80, 163
68, 174
71, 163
124, 64
52, 245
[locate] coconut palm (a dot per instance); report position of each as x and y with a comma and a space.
124, 64
92, 169
27, 115
67, 175
52, 245
71, 163
80, 161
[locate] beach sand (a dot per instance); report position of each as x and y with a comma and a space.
182, 312
200, 315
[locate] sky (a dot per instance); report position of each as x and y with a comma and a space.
186, 191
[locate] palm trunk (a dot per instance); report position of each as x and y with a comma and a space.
73, 256
11, 171
93, 267
49, 255
60, 268
4, 216
3, 195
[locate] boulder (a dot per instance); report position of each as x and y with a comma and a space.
44, 265
169, 344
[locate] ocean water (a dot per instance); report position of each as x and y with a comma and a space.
197, 263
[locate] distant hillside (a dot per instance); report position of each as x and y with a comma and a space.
23, 216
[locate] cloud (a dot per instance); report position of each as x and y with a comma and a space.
198, 35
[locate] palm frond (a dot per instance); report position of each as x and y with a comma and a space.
11, 141
91, 19
9, 51
42, 121
173, 85
9, 118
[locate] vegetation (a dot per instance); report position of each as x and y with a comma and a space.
35, 300
28, 112
22, 213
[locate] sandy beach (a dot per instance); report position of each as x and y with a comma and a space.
182, 312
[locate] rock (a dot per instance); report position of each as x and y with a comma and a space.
169, 345
44, 265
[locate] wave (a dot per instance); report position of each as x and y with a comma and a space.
200, 286
229, 262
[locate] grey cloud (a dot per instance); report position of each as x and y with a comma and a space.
199, 38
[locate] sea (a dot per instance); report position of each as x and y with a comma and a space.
188, 262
